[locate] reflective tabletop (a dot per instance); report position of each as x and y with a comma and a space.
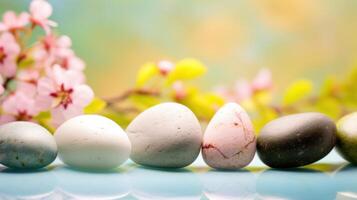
330, 178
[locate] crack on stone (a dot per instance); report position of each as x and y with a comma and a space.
249, 143
242, 125
211, 146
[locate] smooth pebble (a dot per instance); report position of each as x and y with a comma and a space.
166, 135
26, 145
92, 142
346, 144
296, 140
229, 142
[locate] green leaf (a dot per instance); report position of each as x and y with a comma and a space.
26, 63
297, 91
95, 106
186, 69
146, 72
43, 115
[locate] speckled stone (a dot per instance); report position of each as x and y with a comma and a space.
296, 140
166, 135
229, 142
26, 145
346, 144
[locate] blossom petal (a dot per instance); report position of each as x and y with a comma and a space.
243, 90
263, 80
6, 119
10, 105
9, 43
82, 96
45, 86
9, 18
60, 115
40, 9
64, 42
43, 102
3, 27
8, 68
2, 90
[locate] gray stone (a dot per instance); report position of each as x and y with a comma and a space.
26, 145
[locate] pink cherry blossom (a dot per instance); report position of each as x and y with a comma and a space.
20, 106
40, 11
165, 67
242, 90
179, 90
263, 80
64, 93
11, 22
29, 76
9, 50
57, 50
53, 83
225, 92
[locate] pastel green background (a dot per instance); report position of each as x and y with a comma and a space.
294, 38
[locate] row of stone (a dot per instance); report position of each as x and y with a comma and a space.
169, 136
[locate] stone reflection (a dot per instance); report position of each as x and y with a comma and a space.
149, 183
26, 184
137, 182
302, 183
92, 185
345, 182
227, 185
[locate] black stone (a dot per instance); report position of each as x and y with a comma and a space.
296, 140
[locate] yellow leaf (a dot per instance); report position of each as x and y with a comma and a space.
44, 119
328, 86
262, 97
215, 100
145, 73
122, 119
204, 105
186, 69
297, 91
95, 106
143, 101
262, 117
329, 106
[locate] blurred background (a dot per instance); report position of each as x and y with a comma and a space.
294, 38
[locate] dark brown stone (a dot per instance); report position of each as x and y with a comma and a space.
296, 140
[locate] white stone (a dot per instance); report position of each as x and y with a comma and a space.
92, 142
166, 135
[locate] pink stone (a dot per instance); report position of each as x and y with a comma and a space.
229, 141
